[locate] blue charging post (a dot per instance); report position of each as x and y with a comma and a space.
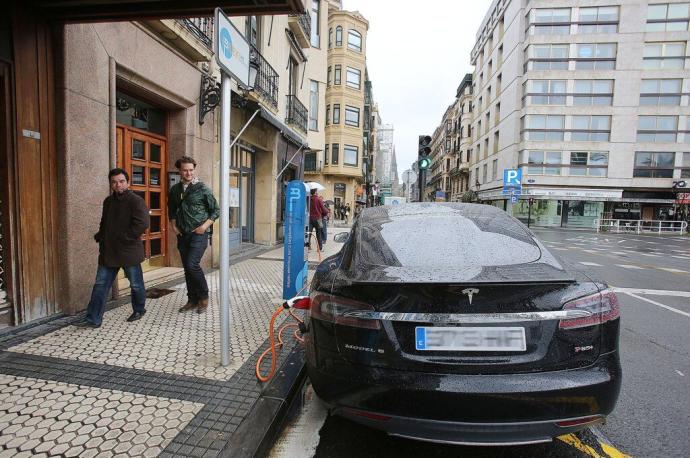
295, 261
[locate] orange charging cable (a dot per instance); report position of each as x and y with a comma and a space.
272, 341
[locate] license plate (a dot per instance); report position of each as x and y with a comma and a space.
470, 338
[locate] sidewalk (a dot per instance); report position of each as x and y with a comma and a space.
153, 387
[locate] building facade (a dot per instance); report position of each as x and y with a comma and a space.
139, 95
339, 165
590, 100
385, 175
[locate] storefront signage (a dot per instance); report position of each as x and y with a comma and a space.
295, 265
231, 49
683, 198
584, 194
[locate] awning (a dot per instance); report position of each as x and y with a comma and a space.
287, 132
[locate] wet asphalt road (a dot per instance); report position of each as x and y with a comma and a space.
652, 417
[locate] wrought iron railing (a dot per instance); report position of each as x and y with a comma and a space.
200, 27
267, 79
310, 164
304, 21
296, 113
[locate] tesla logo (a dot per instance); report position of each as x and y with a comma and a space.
469, 292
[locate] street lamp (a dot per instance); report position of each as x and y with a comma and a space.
253, 68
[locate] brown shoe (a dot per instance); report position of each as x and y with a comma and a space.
187, 306
203, 305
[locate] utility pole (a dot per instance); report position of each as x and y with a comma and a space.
423, 161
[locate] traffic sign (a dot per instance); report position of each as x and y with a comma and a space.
231, 49
512, 178
513, 199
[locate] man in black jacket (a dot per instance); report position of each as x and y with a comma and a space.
125, 217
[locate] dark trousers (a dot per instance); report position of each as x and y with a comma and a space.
192, 247
104, 280
314, 226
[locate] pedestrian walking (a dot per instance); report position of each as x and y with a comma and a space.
317, 210
124, 218
347, 213
192, 209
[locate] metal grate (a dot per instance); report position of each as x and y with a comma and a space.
296, 113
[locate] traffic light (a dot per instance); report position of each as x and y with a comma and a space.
423, 152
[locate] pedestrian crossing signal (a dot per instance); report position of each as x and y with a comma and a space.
424, 163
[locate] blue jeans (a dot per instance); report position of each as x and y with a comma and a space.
192, 247
104, 280
324, 231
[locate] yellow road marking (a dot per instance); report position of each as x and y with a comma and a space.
574, 441
613, 452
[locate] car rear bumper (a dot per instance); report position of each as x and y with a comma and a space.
476, 409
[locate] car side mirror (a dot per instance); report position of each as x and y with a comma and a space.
341, 237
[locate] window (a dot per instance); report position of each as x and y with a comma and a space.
661, 92
328, 114
544, 162
335, 151
547, 57
499, 80
591, 129
336, 75
602, 19
589, 163
499, 58
484, 171
551, 21
545, 92
654, 165
313, 105
326, 156
664, 55
336, 113
496, 138
351, 153
339, 36
353, 78
667, 18
497, 114
330, 38
351, 116
687, 131
593, 92
685, 171
494, 170
310, 162
657, 128
543, 127
596, 56
354, 40
328, 76
315, 24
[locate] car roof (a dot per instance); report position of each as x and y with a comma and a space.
417, 209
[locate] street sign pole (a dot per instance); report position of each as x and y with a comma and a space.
226, 109
232, 54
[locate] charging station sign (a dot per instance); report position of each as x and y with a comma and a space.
295, 262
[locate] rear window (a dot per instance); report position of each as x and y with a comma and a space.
446, 238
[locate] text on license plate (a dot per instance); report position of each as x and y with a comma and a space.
470, 338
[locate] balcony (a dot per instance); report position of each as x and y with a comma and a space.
300, 26
193, 37
267, 79
296, 113
311, 165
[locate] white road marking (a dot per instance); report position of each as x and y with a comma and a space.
560, 249
590, 264
589, 251
659, 304
649, 254
652, 292
630, 266
680, 373
675, 271
680, 257
619, 252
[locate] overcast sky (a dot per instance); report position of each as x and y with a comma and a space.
416, 58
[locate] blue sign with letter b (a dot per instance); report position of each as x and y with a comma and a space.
295, 265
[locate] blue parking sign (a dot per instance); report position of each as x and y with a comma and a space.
512, 178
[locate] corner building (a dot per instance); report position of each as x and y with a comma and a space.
339, 167
590, 99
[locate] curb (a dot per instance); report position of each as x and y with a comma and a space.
258, 431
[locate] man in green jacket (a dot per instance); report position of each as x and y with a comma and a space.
192, 210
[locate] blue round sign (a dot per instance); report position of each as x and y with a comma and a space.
226, 43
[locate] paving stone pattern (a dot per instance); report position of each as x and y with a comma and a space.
167, 341
48, 418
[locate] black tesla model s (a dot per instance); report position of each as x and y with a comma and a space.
452, 323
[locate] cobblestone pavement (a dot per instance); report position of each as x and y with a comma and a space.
149, 388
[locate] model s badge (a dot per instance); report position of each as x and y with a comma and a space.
469, 292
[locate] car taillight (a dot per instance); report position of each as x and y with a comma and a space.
602, 307
334, 309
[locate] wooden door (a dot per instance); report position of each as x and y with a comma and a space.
143, 155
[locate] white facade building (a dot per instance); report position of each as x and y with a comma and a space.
590, 99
